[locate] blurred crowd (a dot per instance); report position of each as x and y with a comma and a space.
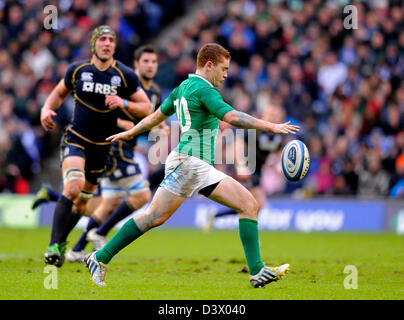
295, 60
33, 59
291, 59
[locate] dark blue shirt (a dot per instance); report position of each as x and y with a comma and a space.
122, 152
92, 119
154, 95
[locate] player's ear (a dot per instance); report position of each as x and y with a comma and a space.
209, 65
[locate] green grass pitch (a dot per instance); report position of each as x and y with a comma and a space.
180, 264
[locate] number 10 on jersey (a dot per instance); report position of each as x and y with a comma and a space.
184, 118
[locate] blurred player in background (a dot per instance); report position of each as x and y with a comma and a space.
123, 177
102, 88
198, 106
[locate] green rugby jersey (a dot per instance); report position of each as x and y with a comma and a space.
198, 106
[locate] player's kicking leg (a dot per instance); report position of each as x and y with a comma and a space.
163, 205
256, 191
232, 194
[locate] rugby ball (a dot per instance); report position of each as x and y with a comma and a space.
295, 160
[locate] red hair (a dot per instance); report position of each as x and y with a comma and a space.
211, 52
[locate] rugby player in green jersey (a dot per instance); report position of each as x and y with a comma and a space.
199, 107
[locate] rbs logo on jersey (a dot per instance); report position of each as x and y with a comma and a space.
101, 88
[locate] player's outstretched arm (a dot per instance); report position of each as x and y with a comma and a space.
146, 124
53, 102
245, 121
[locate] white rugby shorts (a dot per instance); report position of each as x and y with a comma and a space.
124, 186
186, 174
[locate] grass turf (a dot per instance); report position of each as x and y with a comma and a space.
179, 264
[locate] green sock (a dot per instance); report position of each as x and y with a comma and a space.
126, 235
248, 230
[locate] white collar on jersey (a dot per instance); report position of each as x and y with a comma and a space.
200, 77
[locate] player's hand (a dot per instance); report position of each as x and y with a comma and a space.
125, 135
46, 119
114, 102
285, 128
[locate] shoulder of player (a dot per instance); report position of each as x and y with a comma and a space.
156, 87
74, 66
123, 68
127, 74
206, 89
73, 69
199, 80
80, 62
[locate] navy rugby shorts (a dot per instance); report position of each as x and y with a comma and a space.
95, 155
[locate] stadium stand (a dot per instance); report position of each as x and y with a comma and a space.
344, 86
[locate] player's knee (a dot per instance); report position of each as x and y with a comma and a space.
107, 206
137, 201
251, 209
73, 189
79, 207
146, 196
256, 206
112, 204
81, 201
73, 180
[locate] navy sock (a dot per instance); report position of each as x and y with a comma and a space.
74, 218
81, 244
117, 215
225, 213
61, 218
53, 195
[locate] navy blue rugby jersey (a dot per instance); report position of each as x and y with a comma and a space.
154, 95
122, 151
92, 119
